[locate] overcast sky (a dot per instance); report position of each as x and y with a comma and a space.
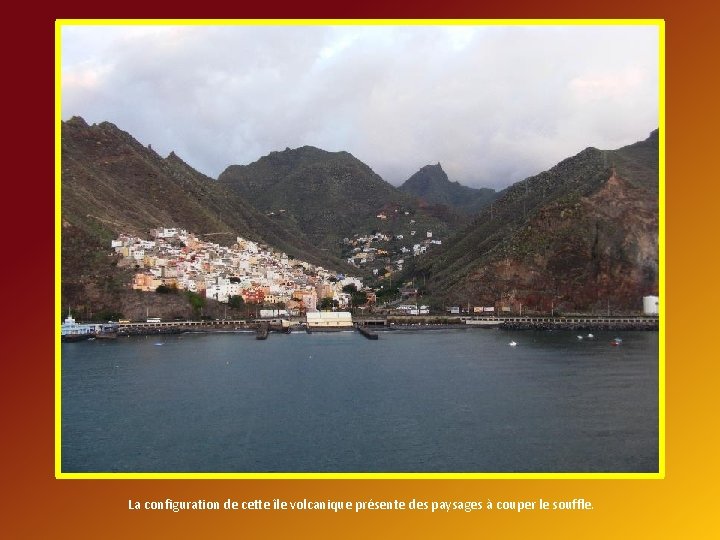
492, 104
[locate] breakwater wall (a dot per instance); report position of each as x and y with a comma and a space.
525, 323
180, 327
579, 323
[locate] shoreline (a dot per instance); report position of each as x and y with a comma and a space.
370, 325
412, 327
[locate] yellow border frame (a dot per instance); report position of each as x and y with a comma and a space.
659, 23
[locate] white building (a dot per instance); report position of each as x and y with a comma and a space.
329, 319
167, 232
273, 313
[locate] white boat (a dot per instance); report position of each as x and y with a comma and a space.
73, 331
512, 344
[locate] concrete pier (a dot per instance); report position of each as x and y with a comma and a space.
365, 332
262, 331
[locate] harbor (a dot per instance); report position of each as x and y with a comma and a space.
362, 324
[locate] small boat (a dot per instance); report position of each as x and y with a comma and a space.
616, 342
591, 336
579, 338
512, 344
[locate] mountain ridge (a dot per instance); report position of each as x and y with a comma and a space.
582, 234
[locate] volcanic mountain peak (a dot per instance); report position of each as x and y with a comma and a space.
431, 184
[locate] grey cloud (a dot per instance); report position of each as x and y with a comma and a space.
492, 104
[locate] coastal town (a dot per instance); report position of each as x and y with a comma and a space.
176, 259
249, 273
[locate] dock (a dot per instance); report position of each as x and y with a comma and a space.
262, 331
367, 333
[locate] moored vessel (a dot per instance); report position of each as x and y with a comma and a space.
70, 330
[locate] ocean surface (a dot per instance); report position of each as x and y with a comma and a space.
412, 401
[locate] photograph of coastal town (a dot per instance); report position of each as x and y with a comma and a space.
355, 248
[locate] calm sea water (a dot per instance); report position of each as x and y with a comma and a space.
438, 400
